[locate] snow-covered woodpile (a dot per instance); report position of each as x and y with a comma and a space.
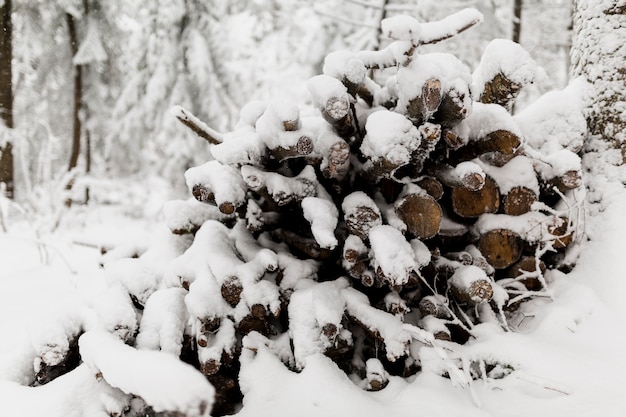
402, 208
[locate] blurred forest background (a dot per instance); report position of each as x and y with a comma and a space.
93, 81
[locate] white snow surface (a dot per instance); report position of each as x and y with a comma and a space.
509, 59
567, 351
390, 135
162, 380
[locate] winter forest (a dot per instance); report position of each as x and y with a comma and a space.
312, 208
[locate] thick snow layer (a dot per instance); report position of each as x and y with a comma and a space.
323, 216
519, 171
503, 56
391, 136
163, 321
485, 119
446, 68
344, 64
162, 380
555, 120
392, 254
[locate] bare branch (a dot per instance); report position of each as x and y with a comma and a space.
197, 126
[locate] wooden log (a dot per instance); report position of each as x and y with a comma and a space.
470, 285
434, 305
468, 175
562, 233
421, 108
501, 140
300, 146
528, 267
361, 214
453, 108
258, 220
500, 90
501, 247
303, 245
421, 214
480, 261
355, 257
331, 97
471, 204
518, 201
338, 161
432, 186
430, 134
217, 184
452, 140
282, 190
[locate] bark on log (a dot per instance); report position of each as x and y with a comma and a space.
500, 90
451, 110
501, 247
421, 108
302, 146
421, 214
471, 204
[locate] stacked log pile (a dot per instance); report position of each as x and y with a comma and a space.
393, 214
413, 202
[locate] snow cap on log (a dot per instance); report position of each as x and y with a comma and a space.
470, 284
323, 216
217, 184
160, 379
392, 254
346, 67
361, 214
445, 69
555, 120
391, 137
508, 60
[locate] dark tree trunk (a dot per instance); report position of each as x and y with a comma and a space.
78, 93
6, 97
517, 20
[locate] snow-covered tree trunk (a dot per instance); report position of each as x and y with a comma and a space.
6, 97
599, 54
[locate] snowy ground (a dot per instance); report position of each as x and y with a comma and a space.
568, 352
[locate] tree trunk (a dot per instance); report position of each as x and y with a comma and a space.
6, 97
517, 21
78, 93
599, 54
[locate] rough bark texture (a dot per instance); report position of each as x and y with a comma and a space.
6, 97
599, 54
78, 94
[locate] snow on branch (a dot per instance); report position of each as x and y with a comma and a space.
197, 126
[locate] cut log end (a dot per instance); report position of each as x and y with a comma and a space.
470, 204
501, 247
422, 215
518, 201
